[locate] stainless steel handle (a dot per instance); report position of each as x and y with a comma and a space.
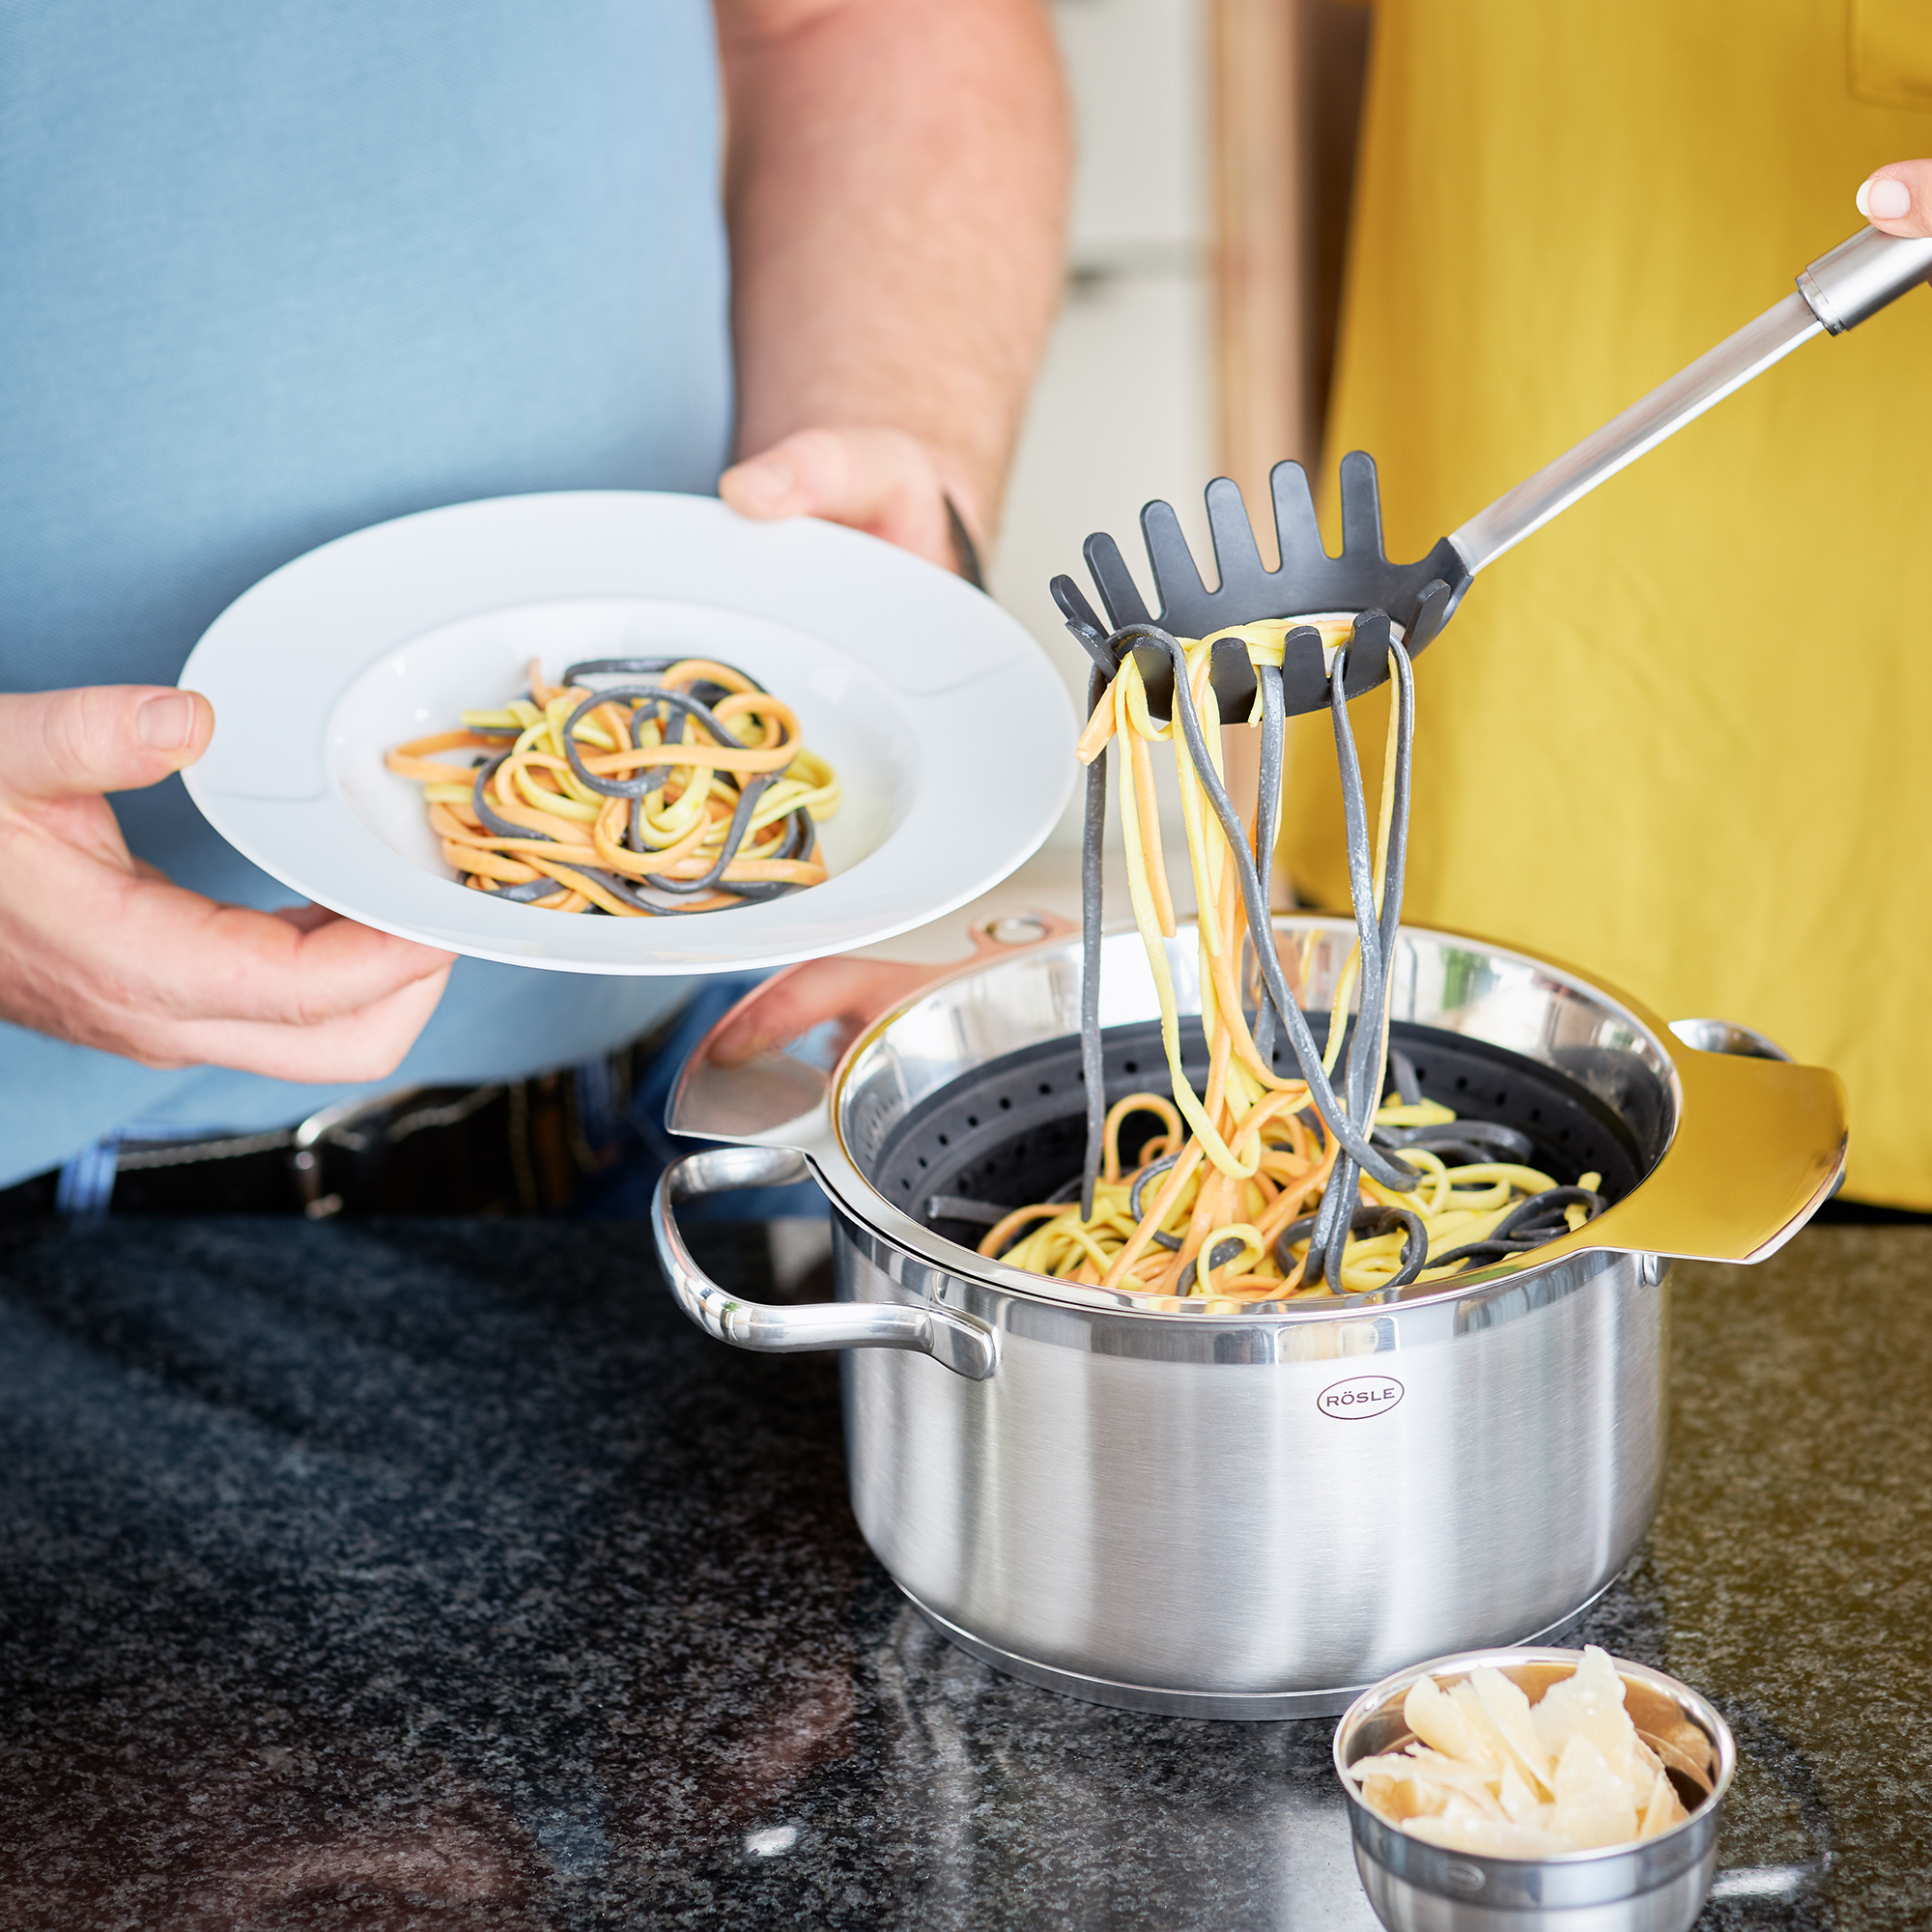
1640, 428
1859, 277
1709, 1036
1712, 1035
1759, 1148
1836, 291
963, 1344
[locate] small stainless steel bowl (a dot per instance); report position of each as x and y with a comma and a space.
1656, 1885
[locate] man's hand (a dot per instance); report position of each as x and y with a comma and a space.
896, 187
1898, 198
854, 992
881, 481
99, 948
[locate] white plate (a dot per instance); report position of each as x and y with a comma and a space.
951, 731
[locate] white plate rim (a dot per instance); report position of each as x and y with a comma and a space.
288, 818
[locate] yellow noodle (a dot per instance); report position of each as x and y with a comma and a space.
563, 824
1247, 1168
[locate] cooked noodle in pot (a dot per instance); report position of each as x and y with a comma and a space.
1264, 1187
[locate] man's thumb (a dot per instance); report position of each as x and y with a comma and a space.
98, 738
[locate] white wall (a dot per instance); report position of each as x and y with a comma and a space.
1124, 412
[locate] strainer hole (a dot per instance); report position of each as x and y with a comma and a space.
1005, 1105
972, 1120
1046, 1086
944, 1142
1130, 1066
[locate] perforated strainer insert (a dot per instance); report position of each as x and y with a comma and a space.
1013, 1130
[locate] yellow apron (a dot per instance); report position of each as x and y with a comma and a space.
1678, 736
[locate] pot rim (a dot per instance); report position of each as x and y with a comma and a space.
1675, 1197
1050, 1289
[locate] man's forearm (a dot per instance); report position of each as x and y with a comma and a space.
896, 186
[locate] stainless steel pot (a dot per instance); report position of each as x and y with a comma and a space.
1247, 1512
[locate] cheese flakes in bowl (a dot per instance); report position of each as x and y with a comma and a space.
1565, 1784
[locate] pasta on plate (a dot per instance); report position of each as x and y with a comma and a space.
685, 788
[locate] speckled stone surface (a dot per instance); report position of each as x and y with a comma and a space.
441, 1575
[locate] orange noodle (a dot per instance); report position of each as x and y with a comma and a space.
1265, 1187
684, 788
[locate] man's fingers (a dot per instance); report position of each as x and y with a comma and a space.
776, 483
99, 738
118, 952
850, 991
101, 949
207, 960
364, 1045
878, 480
1898, 198
305, 917
182, 982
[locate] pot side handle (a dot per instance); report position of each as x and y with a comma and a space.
1759, 1148
961, 1344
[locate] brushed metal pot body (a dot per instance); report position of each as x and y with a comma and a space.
1253, 1511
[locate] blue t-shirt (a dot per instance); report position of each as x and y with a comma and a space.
274, 270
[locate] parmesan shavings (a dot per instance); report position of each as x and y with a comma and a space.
1488, 1772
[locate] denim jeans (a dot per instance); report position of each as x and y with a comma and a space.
624, 1191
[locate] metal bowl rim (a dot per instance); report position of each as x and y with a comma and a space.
1700, 1706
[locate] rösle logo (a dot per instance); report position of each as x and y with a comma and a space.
1359, 1397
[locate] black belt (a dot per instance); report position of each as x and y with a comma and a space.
522, 1147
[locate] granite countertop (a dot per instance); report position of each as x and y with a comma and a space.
439, 1574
